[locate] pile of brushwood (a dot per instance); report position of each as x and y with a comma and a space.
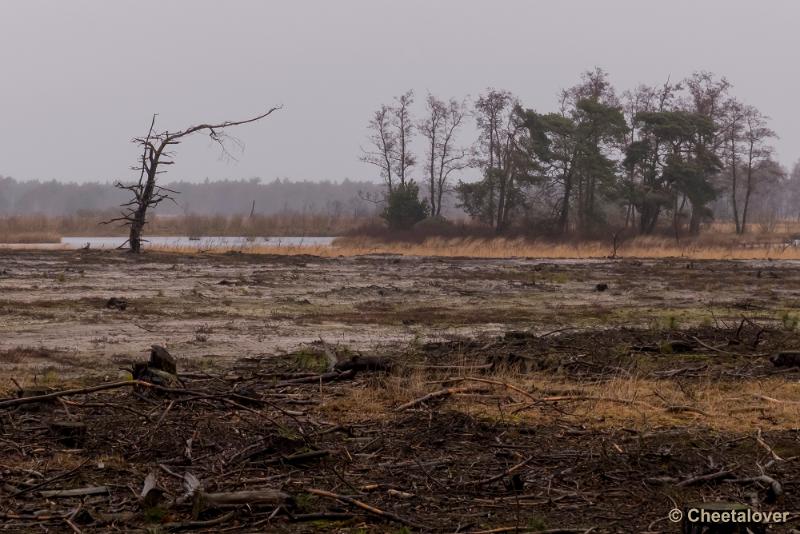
248, 450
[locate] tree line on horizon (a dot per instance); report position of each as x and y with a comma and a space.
223, 197
656, 158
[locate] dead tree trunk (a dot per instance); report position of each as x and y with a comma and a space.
156, 151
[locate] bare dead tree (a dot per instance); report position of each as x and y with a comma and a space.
156, 151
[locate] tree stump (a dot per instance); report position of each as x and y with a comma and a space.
117, 303
163, 360
786, 358
144, 372
709, 526
71, 434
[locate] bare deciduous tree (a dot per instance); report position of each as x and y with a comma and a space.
383, 140
443, 158
156, 151
404, 123
757, 153
391, 131
735, 116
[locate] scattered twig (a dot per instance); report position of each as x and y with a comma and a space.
366, 507
446, 392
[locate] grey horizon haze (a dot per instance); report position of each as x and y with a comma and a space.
79, 79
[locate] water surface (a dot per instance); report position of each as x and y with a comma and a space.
202, 243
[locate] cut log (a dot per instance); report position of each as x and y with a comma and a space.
71, 434
161, 359
271, 497
786, 358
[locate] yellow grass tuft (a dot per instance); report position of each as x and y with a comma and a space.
640, 247
629, 402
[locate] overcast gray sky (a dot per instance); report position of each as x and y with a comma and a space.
78, 79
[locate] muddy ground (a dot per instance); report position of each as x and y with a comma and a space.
527, 442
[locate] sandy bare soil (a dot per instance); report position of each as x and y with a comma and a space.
213, 309
555, 406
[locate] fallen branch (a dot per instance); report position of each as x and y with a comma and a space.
67, 392
500, 383
193, 525
723, 473
500, 530
203, 501
325, 516
502, 475
772, 399
91, 389
709, 347
49, 480
77, 492
585, 398
316, 379
366, 507
764, 444
446, 392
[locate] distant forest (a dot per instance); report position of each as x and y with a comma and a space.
234, 197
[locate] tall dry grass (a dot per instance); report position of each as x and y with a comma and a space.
640, 247
718, 241
620, 402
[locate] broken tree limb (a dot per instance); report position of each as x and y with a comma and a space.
586, 398
324, 377
760, 441
501, 530
775, 490
710, 477
77, 492
50, 480
446, 392
194, 525
50, 396
100, 387
366, 507
501, 383
505, 473
269, 496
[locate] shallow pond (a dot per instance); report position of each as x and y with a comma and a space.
204, 242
